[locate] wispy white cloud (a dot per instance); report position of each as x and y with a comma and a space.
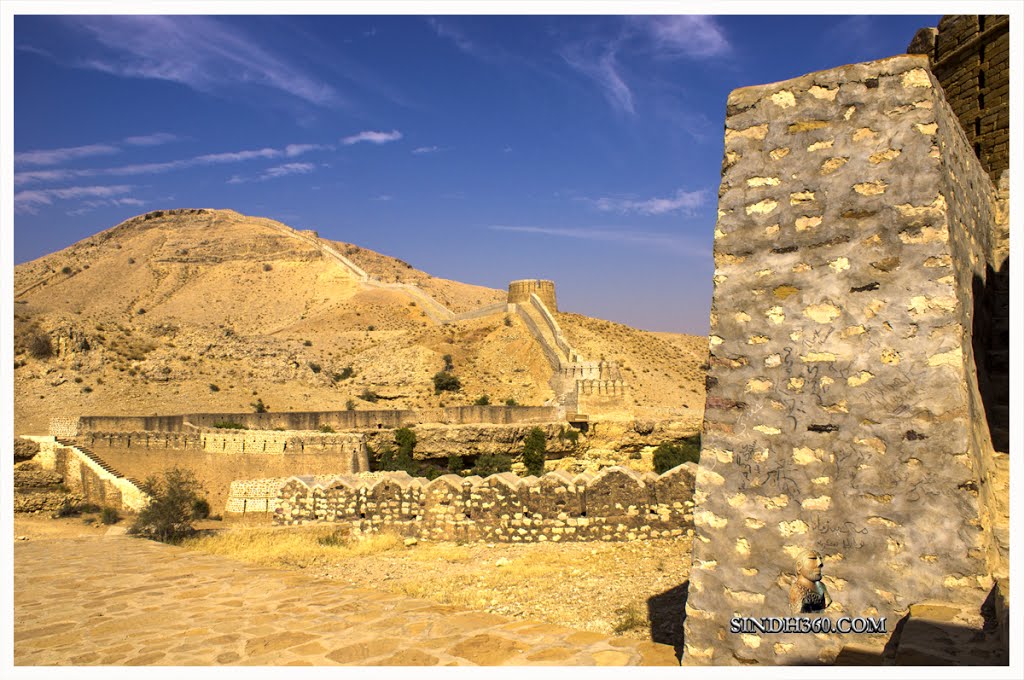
32, 49
197, 51
426, 149
449, 31
63, 155
600, 56
693, 36
293, 150
71, 153
372, 137
89, 206
266, 153
682, 201
30, 176
275, 173
30, 200
659, 240
603, 69
154, 139
383, 197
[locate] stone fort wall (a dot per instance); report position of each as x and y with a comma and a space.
970, 56
841, 400
615, 504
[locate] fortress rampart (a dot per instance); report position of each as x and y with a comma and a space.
614, 504
843, 410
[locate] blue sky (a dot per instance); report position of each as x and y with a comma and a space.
483, 149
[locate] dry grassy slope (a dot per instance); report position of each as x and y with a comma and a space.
662, 369
208, 310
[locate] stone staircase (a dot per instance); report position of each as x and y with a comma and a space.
103, 465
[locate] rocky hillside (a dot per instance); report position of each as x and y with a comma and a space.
210, 310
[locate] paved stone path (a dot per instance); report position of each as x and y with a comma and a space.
116, 600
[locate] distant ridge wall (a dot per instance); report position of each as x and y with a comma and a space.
615, 504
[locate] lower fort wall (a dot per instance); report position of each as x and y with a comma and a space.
615, 504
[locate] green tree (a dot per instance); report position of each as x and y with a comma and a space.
489, 464
483, 401
534, 448
669, 455
446, 382
172, 505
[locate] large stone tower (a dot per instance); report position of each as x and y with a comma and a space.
520, 291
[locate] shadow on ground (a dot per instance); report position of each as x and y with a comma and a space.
666, 611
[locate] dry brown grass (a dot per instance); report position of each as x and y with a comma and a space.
296, 547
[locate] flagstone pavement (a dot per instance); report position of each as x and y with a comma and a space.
117, 600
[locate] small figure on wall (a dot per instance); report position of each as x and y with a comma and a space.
808, 593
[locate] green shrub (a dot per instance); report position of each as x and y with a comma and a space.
110, 516
455, 463
65, 270
370, 396
446, 382
336, 539
570, 435
511, 402
448, 365
534, 448
489, 464
350, 405
508, 320
259, 407
483, 401
307, 343
326, 429
38, 344
343, 374
313, 366
229, 425
214, 388
67, 509
200, 508
173, 502
88, 507
668, 456
405, 438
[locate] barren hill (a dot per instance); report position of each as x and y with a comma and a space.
210, 310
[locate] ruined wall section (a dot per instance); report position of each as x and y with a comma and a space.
838, 411
615, 504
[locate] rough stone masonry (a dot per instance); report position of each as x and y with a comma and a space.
853, 221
